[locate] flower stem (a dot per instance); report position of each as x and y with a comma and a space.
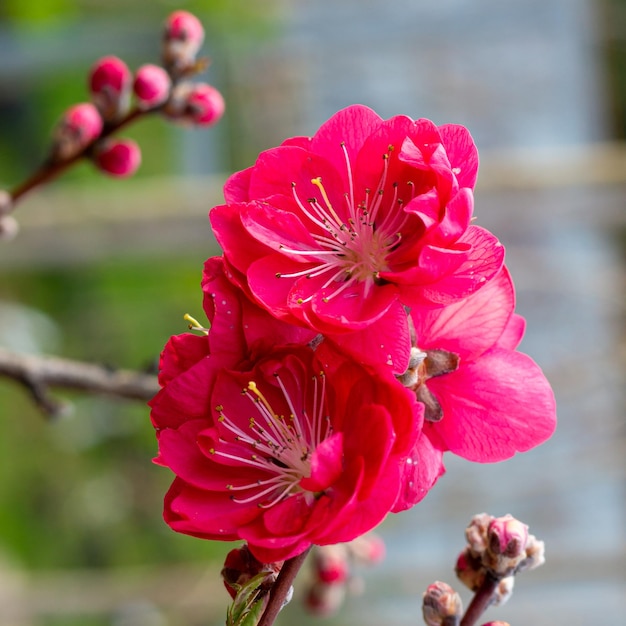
481, 600
51, 169
281, 588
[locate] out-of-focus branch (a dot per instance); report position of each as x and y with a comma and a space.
39, 373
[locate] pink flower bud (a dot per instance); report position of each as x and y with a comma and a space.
330, 564
507, 536
195, 103
368, 549
183, 35
109, 85
469, 569
118, 157
498, 623
324, 600
152, 85
441, 603
80, 125
241, 566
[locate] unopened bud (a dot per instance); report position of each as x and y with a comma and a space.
117, 157
109, 84
9, 227
441, 605
80, 125
324, 600
368, 549
507, 536
503, 591
469, 570
476, 532
241, 566
195, 103
152, 86
330, 564
183, 35
535, 554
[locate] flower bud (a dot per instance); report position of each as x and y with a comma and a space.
183, 35
368, 549
80, 125
195, 103
535, 554
507, 536
241, 566
109, 84
469, 569
324, 600
152, 86
117, 157
330, 564
503, 591
9, 227
476, 532
498, 623
441, 605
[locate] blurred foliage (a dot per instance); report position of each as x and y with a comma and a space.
81, 491
613, 29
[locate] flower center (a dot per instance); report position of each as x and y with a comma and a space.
422, 366
353, 248
278, 445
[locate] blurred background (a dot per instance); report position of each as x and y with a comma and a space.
103, 270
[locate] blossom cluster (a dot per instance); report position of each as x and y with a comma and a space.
361, 327
85, 127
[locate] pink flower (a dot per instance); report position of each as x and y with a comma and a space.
117, 157
109, 84
151, 86
484, 400
342, 230
272, 441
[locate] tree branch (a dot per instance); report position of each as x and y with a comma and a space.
39, 373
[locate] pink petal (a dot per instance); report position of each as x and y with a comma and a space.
420, 472
237, 186
483, 262
462, 153
495, 407
386, 342
326, 464
471, 326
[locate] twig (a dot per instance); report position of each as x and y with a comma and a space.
38, 373
281, 588
481, 600
51, 169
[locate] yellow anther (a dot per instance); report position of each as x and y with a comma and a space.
194, 324
318, 183
261, 398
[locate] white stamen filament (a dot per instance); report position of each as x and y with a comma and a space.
279, 445
354, 250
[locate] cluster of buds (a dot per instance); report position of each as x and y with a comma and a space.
499, 547
332, 575
117, 97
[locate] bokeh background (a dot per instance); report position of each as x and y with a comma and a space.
103, 271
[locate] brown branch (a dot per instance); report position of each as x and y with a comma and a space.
50, 169
39, 373
482, 599
281, 587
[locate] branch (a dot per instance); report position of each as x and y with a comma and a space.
38, 373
